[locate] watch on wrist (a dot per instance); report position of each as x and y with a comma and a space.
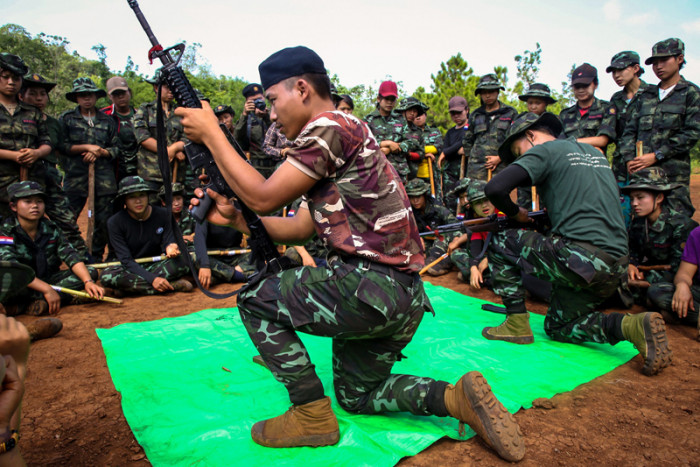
659, 156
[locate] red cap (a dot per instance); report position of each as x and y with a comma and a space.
388, 88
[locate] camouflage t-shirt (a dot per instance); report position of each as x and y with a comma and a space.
359, 206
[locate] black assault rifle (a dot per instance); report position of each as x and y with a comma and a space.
264, 251
493, 223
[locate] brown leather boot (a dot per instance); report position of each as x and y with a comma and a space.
312, 424
37, 308
44, 328
471, 401
182, 285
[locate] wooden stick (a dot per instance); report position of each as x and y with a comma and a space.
655, 267
432, 177
442, 185
535, 201
23, 173
462, 167
423, 271
284, 214
77, 293
175, 164
640, 148
489, 175
155, 259
91, 206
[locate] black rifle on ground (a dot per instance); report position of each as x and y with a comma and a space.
493, 223
264, 251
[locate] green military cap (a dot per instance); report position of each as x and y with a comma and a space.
475, 191
13, 277
35, 80
133, 184
488, 83
417, 187
622, 60
461, 187
651, 179
520, 125
83, 85
13, 63
156, 77
409, 103
223, 109
538, 90
178, 189
24, 189
667, 48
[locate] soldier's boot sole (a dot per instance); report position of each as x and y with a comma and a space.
658, 354
473, 402
44, 328
312, 424
515, 329
182, 285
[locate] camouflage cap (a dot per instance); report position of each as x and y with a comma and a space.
417, 187
488, 83
538, 90
35, 80
178, 189
520, 125
14, 276
84, 85
133, 184
409, 103
223, 109
24, 189
622, 60
461, 187
667, 48
651, 179
13, 63
475, 191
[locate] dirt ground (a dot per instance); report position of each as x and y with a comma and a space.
72, 413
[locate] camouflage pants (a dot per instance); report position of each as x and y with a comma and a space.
448, 176
661, 295
117, 277
370, 316
582, 277
104, 208
64, 278
460, 258
223, 268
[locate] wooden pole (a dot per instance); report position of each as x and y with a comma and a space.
23, 173
535, 201
78, 293
91, 206
175, 164
489, 175
432, 177
423, 271
640, 148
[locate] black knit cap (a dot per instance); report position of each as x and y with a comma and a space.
289, 62
251, 90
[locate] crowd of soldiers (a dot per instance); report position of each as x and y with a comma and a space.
53, 162
108, 158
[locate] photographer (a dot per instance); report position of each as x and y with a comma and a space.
251, 128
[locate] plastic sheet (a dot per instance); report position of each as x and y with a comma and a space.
185, 408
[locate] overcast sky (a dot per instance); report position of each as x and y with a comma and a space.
363, 41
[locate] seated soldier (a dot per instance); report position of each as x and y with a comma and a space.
32, 240
182, 216
222, 268
657, 232
313, 253
139, 230
682, 297
430, 214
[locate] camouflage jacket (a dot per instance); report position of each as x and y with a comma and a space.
386, 128
186, 222
44, 254
600, 120
662, 241
434, 214
144, 128
103, 133
619, 102
56, 135
251, 137
25, 129
433, 137
671, 127
128, 145
486, 132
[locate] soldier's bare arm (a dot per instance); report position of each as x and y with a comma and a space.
682, 297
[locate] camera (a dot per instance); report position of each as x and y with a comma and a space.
259, 104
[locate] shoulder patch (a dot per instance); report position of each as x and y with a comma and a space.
612, 110
159, 230
4, 240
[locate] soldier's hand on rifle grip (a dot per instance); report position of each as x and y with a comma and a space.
199, 124
522, 216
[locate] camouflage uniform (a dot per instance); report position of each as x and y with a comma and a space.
600, 120
412, 139
464, 258
669, 128
430, 217
147, 161
370, 302
391, 128
250, 133
44, 254
585, 254
486, 132
14, 277
131, 239
314, 247
128, 145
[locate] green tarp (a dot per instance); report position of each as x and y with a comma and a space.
185, 408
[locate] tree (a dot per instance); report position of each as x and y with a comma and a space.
528, 65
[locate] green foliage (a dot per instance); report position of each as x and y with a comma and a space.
528, 65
